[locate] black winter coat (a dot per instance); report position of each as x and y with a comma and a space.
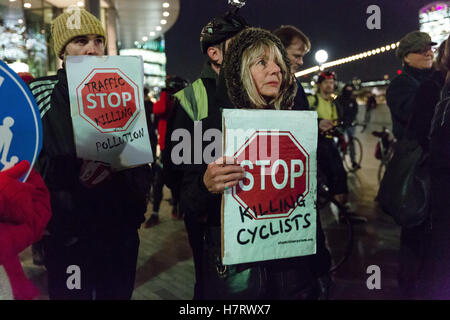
427, 97
300, 100
347, 108
400, 97
438, 260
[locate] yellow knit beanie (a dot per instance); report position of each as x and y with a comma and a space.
72, 23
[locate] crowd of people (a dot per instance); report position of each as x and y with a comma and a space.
96, 226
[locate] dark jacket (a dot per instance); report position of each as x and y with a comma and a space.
438, 259
347, 109
400, 97
151, 124
300, 100
427, 96
180, 119
371, 102
116, 205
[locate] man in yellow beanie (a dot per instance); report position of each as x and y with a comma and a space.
92, 243
73, 31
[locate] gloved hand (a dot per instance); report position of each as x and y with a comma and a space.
93, 173
13, 192
24, 209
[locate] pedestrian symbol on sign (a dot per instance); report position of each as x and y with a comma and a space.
6, 136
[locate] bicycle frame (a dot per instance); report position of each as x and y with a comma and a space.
386, 144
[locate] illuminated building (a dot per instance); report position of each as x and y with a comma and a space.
434, 19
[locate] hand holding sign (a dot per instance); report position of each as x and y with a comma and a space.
93, 173
223, 173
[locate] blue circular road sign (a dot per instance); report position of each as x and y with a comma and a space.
20, 121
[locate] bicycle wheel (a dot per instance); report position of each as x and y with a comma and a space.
339, 240
358, 153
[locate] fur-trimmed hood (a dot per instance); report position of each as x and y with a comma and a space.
232, 68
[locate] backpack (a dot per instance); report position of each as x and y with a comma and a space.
334, 102
316, 101
404, 191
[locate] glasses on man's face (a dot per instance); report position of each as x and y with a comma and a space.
425, 50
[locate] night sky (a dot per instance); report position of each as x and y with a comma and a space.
336, 26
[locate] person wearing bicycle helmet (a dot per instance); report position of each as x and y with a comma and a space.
215, 36
329, 161
196, 103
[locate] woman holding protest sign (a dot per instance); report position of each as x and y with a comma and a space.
255, 75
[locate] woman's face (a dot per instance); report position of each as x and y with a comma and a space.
422, 59
266, 75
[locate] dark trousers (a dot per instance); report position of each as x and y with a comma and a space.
437, 260
195, 233
158, 185
414, 244
105, 263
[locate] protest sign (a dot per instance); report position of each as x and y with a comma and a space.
20, 122
271, 213
107, 108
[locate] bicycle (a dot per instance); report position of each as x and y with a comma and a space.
326, 197
351, 157
384, 150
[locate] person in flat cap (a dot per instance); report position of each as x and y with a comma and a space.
416, 53
96, 211
418, 43
403, 94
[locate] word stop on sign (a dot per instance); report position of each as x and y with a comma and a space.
294, 170
275, 181
113, 99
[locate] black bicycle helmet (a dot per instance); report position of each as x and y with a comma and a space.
220, 29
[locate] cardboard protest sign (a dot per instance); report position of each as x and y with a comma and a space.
107, 108
271, 213
20, 122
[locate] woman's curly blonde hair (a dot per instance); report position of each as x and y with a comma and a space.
242, 53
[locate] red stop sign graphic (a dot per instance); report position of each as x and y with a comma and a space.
277, 175
108, 100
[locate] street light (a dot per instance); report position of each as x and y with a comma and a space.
321, 56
